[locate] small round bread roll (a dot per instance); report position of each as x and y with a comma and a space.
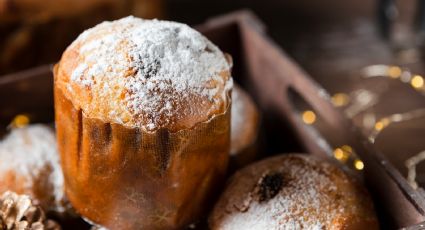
244, 130
293, 192
29, 164
143, 123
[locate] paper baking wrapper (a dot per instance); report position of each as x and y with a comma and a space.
126, 178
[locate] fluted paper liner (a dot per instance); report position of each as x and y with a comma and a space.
126, 178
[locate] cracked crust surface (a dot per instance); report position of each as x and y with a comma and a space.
293, 192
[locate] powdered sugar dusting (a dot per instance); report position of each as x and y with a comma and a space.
308, 199
160, 65
28, 152
244, 123
238, 112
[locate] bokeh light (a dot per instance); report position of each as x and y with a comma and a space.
340, 99
20, 121
417, 82
394, 71
358, 164
309, 117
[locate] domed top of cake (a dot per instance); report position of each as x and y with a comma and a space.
149, 74
293, 192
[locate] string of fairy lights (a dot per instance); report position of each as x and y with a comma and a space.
411, 167
345, 153
395, 72
365, 100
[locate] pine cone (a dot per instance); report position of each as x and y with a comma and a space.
17, 212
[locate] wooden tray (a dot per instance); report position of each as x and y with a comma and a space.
281, 89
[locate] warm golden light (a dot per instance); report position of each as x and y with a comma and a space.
394, 72
381, 124
338, 153
309, 117
417, 81
20, 121
341, 155
347, 148
340, 99
358, 164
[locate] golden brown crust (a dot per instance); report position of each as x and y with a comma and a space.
40, 191
293, 192
169, 87
126, 178
29, 164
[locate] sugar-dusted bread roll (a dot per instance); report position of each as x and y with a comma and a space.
142, 115
29, 164
244, 129
293, 192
